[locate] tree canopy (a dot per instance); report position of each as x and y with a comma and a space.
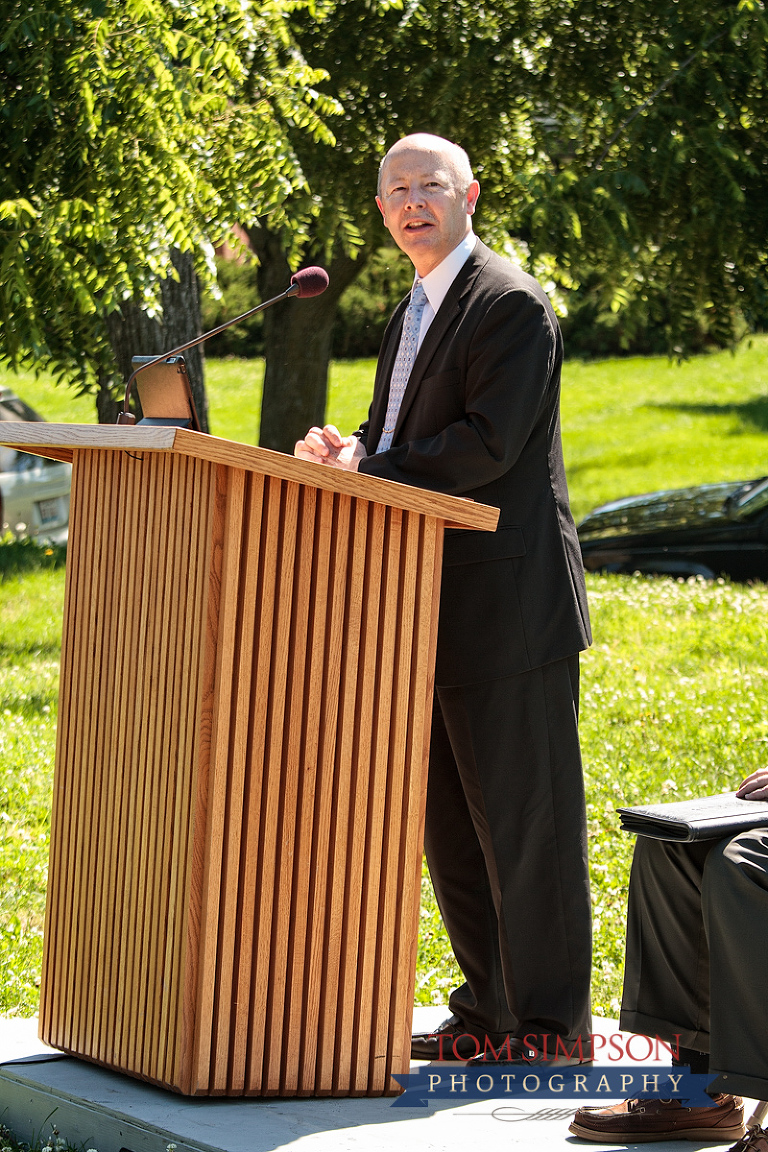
621, 150
650, 161
130, 131
394, 68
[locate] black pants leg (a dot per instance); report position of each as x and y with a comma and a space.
697, 965
506, 847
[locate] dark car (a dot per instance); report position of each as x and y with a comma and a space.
711, 530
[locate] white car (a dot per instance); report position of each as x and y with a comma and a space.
34, 493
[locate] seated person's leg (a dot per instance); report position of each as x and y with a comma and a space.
735, 903
666, 974
666, 994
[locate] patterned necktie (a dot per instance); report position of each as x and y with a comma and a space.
406, 354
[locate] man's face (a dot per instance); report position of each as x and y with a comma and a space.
423, 206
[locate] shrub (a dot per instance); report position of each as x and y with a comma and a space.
23, 554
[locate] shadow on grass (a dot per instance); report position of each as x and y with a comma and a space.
753, 414
11, 650
627, 460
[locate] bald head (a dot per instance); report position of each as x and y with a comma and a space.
440, 150
426, 197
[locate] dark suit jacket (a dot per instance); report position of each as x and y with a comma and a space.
480, 418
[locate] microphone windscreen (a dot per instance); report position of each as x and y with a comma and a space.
310, 281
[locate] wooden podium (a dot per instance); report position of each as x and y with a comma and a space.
247, 674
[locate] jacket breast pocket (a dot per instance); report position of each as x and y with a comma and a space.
448, 379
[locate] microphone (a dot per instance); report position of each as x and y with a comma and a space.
304, 283
308, 282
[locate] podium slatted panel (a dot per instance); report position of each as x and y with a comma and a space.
119, 862
332, 621
57, 917
188, 644
241, 774
412, 800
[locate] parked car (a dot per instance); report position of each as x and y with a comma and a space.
34, 492
710, 530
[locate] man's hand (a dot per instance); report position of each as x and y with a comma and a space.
327, 446
755, 787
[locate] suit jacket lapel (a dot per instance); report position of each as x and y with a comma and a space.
386, 363
448, 311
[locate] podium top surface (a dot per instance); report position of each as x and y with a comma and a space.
62, 440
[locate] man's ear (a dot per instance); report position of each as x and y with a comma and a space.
381, 209
472, 194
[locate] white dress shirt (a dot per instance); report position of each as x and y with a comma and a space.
439, 280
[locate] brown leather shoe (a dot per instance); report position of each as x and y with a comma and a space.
756, 1140
641, 1121
451, 1040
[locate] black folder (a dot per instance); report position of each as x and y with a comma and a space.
708, 818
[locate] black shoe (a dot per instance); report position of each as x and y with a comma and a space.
451, 1040
516, 1051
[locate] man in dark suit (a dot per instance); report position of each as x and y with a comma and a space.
466, 401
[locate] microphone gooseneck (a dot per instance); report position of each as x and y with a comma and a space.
304, 283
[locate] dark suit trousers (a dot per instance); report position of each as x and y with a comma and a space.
506, 846
697, 953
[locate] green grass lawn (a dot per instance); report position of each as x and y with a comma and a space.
637, 425
674, 687
629, 426
30, 645
673, 706
673, 695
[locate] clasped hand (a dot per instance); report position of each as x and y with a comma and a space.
755, 787
327, 446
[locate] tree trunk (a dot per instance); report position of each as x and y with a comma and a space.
108, 403
133, 333
297, 341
